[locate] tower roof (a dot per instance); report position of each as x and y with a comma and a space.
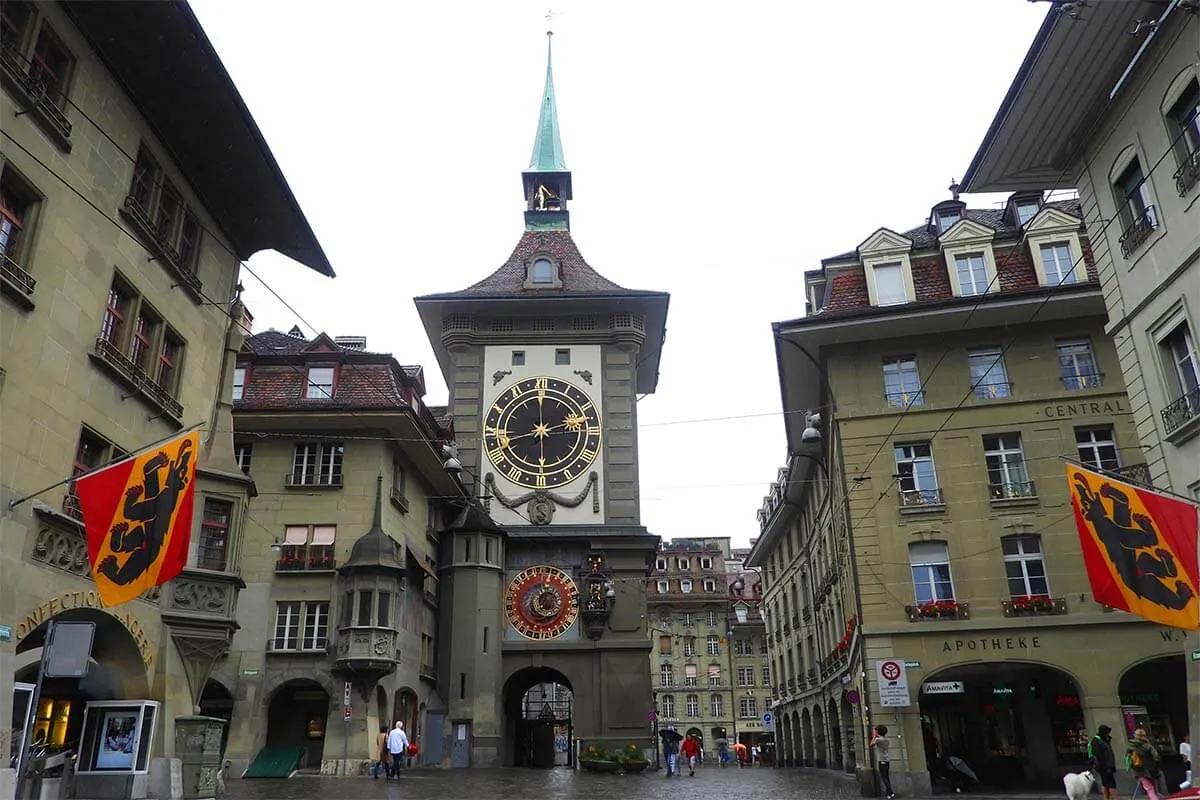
547, 144
375, 548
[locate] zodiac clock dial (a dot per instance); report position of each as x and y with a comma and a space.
542, 602
542, 432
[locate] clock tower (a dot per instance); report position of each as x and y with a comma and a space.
542, 576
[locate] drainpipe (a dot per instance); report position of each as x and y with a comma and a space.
1141, 50
865, 699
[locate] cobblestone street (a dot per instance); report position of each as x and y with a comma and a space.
762, 783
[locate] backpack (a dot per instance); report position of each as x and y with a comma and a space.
1134, 760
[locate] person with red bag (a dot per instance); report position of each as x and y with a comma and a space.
691, 751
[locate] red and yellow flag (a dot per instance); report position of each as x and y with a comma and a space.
138, 518
1139, 548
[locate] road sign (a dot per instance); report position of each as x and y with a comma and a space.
943, 687
348, 712
652, 716
1196, 655
768, 718
912, 664
893, 683
70, 649
5, 633
346, 697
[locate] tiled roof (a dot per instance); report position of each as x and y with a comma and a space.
357, 386
925, 237
578, 278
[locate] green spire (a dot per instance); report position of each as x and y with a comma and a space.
547, 146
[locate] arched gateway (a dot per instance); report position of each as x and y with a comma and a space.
537, 714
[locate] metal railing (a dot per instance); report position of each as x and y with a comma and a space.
15, 274
313, 479
1138, 231
1182, 411
1135, 473
1188, 174
905, 399
1083, 380
305, 558
992, 391
921, 498
1012, 490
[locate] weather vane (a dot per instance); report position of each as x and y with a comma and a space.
550, 15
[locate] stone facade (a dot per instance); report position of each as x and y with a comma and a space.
117, 330
320, 453
960, 552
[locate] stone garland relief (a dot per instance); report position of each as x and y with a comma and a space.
67, 551
541, 504
205, 597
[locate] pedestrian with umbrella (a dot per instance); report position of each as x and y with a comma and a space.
670, 745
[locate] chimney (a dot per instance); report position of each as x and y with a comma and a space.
351, 342
244, 320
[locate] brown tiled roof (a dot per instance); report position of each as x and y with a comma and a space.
578, 278
364, 380
925, 237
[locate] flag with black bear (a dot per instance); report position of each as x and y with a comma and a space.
138, 518
1139, 548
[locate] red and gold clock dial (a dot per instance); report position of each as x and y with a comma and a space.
542, 602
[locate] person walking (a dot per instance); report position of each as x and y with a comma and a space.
1185, 752
1143, 760
670, 746
381, 754
883, 756
691, 752
397, 745
1102, 761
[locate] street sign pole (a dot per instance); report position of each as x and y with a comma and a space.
347, 714
31, 717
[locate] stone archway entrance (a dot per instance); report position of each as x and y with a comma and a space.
537, 714
296, 718
115, 672
405, 710
1016, 725
1154, 695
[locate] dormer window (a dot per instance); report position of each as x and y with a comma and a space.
1027, 210
946, 218
542, 273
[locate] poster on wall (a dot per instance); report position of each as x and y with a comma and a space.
118, 737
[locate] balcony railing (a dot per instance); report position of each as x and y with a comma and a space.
34, 96
905, 399
1182, 412
921, 498
938, 609
125, 370
1085, 380
16, 276
1034, 605
1188, 173
1135, 473
71, 507
313, 479
161, 247
1012, 490
305, 558
1139, 231
992, 391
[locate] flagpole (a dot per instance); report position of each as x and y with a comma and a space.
19, 500
1125, 479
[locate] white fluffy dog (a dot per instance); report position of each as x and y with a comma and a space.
1079, 784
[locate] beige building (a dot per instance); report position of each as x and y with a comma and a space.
1136, 163
707, 665
340, 557
121, 235
952, 369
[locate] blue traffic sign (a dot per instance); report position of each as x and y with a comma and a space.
767, 718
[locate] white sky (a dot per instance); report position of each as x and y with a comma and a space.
717, 154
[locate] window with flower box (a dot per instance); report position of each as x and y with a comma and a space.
307, 548
930, 564
1024, 567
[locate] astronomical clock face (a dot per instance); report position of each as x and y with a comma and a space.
542, 432
542, 602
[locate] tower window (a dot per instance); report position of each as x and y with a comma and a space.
562, 357
542, 272
518, 358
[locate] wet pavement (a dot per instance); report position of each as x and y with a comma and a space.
757, 783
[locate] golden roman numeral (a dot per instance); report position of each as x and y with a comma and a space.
541, 384
541, 481
587, 454
515, 474
593, 430
496, 455
568, 475
497, 409
586, 406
